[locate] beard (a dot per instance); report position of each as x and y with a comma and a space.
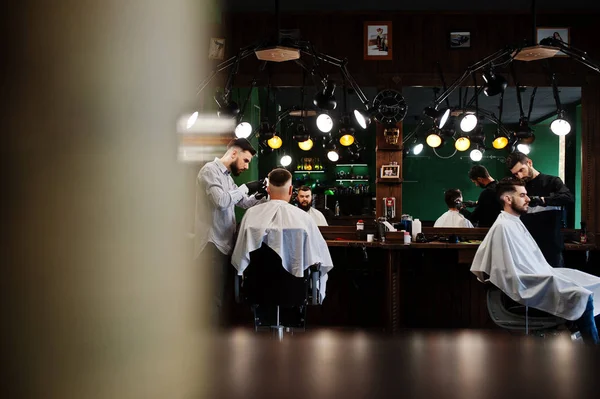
305, 207
521, 210
529, 177
235, 171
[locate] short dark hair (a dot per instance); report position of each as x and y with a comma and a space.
304, 188
507, 185
450, 196
478, 171
243, 144
279, 177
514, 158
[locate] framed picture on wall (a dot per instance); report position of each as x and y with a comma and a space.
390, 171
378, 40
460, 39
216, 48
557, 33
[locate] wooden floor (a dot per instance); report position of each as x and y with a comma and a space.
341, 363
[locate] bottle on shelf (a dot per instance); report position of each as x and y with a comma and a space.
337, 208
583, 233
416, 228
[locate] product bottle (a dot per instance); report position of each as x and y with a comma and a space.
360, 229
406, 238
416, 228
337, 208
583, 233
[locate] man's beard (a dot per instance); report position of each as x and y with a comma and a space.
235, 171
306, 207
520, 211
529, 177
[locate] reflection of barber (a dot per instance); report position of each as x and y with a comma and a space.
544, 219
216, 198
487, 207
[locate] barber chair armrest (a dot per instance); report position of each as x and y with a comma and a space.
315, 275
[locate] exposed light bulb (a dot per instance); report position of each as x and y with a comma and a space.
476, 155
243, 130
468, 123
524, 148
560, 127
285, 160
333, 156
324, 123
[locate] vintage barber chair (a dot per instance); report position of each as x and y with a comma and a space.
513, 316
278, 298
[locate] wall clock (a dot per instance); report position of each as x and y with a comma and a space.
389, 107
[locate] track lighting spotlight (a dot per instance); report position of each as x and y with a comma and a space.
440, 117
560, 126
275, 142
468, 122
243, 130
524, 148
333, 155
324, 123
285, 160
477, 153
494, 84
227, 108
417, 148
306, 145
524, 133
362, 118
325, 99
346, 132
500, 140
434, 140
462, 143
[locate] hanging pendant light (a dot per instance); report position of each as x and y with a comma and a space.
275, 142
306, 145
462, 143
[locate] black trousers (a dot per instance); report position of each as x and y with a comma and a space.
216, 266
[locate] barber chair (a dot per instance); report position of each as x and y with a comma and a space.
278, 298
513, 316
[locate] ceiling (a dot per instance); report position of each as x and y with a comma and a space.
417, 98
421, 5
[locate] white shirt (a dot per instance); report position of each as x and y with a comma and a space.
287, 230
452, 219
515, 264
216, 198
317, 216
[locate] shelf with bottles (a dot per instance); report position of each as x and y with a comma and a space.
308, 164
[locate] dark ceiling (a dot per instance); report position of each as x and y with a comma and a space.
421, 5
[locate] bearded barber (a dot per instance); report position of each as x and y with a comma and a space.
305, 200
216, 198
548, 194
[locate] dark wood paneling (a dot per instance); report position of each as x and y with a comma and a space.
590, 148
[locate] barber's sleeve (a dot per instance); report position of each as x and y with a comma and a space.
217, 194
561, 195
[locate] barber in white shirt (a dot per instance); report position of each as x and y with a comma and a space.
452, 218
216, 198
305, 202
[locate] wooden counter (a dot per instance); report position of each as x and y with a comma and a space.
422, 285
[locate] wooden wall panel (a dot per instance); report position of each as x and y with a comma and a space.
590, 148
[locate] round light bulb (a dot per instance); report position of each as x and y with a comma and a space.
524, 148
275, 142
333, 156
306, 145
500, 142
433, 140
476, 155
462, 144
243, 130
346, 140
324, 123
417, 149
468, 123
560, 127
192, 120
285, 160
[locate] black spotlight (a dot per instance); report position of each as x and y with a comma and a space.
227, 108
524, 133
325, 99
494, 84
301, 134
265, 130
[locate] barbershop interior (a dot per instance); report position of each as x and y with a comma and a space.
270, 198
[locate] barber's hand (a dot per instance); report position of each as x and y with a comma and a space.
470, 204
262, 191
534, 200
459, 205
254, 186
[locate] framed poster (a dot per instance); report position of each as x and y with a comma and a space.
561, 34
378, 40
460, 39
390, 171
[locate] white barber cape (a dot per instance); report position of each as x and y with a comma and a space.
287, 230
514, 263
318, 217
452, 219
